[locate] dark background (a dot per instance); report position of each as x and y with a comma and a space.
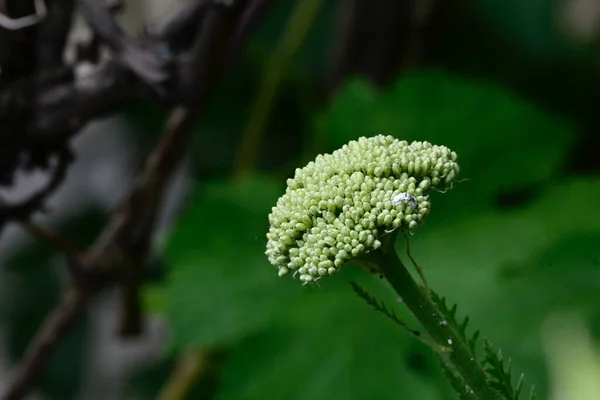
512, 86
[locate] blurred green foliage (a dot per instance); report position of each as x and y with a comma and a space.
218, 289
287, 340
508, 268
484, 123
513, 244
534, 26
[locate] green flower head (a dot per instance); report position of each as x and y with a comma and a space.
340, 205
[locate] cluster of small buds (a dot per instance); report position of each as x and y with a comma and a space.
340, 205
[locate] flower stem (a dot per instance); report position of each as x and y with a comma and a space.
442, 331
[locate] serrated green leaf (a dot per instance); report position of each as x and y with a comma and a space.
456, 382
383, 309
220, 285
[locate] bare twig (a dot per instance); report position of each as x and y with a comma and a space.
63, 102
298, 26
19, 46
56, 240
25, 21
132, 230
53, 32
145, 61
57, 325
48, 108
123, 243
190, 366
180, 31
254, 13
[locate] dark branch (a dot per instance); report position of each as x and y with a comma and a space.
24, 209
60, 243
143, 59
131, 228
53, 32
64, 103
254, 13
18, 47
181, 30
100, 19
54, 329
123, 244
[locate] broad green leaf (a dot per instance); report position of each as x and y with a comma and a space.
510, 270
326, 343
502, 140
333, 346
316, 342
221, 286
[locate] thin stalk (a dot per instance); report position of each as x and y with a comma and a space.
190, 366
296, 30
437, 326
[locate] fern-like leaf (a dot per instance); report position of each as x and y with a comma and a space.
500, 375
450, 315
458, 383
380, 306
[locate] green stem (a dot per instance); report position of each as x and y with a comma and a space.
437, 326
296, 30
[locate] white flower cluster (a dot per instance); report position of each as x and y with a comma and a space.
340, 205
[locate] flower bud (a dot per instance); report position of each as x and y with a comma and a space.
340, 205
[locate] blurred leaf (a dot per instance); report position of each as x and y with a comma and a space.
509, 270
531, 27
313, 59
221, 286
574, 360
502, 141
154, 298
288, 340
217, 134
333, 346
150, 380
